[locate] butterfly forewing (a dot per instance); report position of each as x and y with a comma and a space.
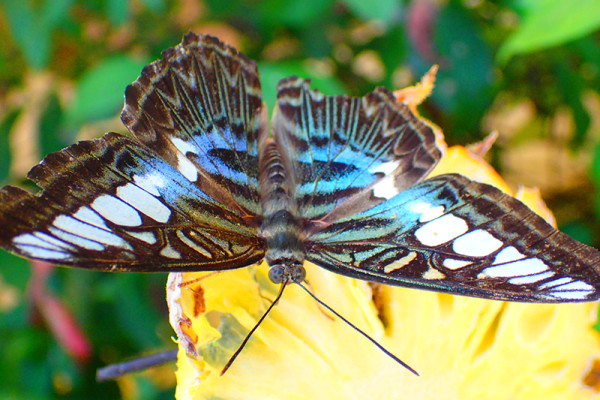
200, 109
346, 154
184, 197
454, 235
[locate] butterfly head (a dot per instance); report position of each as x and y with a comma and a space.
284, 273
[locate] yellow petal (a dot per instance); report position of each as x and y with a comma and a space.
459, 159
463, 348
417, 94
413, 96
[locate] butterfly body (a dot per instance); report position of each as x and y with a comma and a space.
280, 228
203, 185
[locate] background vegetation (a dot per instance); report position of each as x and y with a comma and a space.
527, 68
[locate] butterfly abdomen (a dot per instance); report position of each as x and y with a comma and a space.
280, 227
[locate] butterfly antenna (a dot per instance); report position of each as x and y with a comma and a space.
239, 350
115, 371
386, 351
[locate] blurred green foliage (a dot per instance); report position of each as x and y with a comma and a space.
64, 65
548, 23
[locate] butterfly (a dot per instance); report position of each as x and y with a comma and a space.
205, 184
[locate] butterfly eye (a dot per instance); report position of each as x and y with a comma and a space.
298, 273
276, 273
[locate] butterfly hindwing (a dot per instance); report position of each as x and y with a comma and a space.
200, 109
455, 235
341, 150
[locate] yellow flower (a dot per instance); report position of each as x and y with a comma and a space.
463, 348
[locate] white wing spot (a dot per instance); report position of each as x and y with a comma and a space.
385, 188
477, 243
570, 295
508, 254
524, 280
575, 286
453, 264
183, 146
28, 239
89, 216
441, 230
53, 240
193, 244
557, 282
147, 237
81, 229
37, 252
518, 268
76, 239
427, 211
170, 252
116, 211
144, 202
187, 168
404, 261
433, 273
387, 167
150, 182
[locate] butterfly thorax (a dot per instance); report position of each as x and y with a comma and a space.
280, 227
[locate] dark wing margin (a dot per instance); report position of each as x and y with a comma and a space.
454, 235
200, 109
111, 204
347, 154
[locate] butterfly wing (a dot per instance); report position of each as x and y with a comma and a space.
454, 235
200, 109
341, 149
183, 197
112, 204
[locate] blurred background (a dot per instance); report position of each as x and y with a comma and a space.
529, 69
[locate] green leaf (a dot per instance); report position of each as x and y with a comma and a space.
550, 23
578, 231
99, 92
463, 89
393, 50
587, 48
155, 6
595, 178
296, 13
137, 318
54, 12
15, 270
28, 32
5, 126
385, 11
51, 138
117, 11
32, 28
571, 87
595, 170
